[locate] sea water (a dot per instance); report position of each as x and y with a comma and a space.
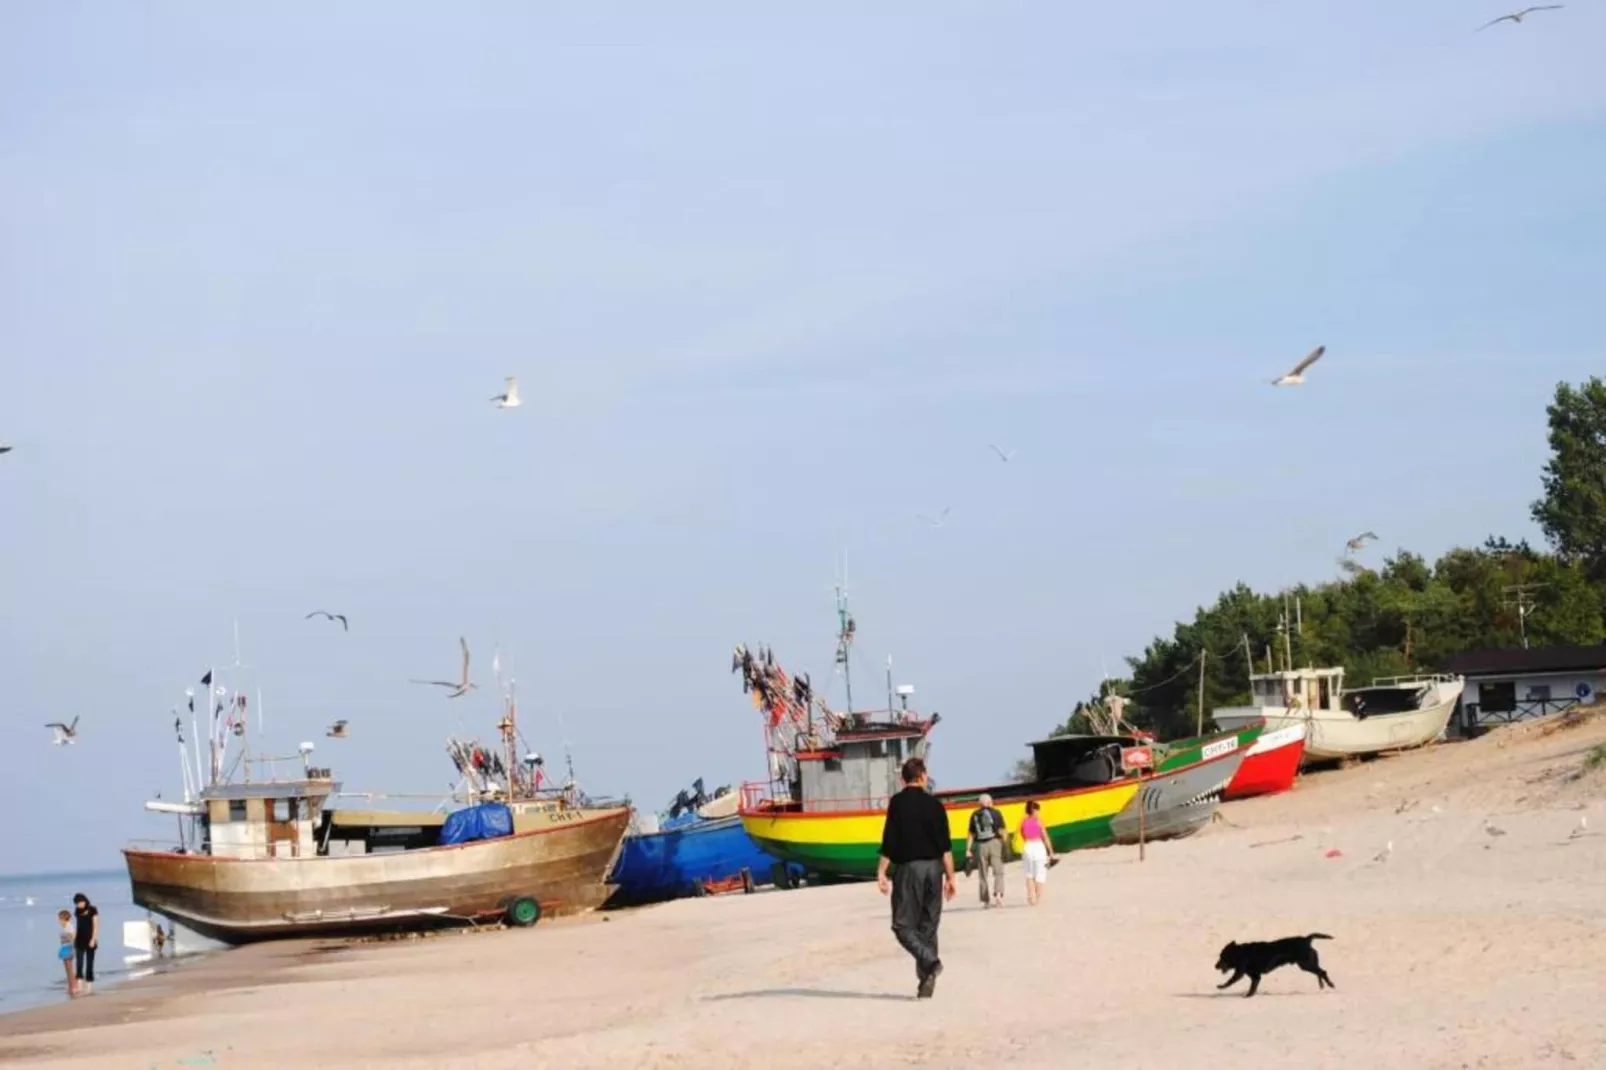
30, 971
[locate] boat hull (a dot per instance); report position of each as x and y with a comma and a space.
847, 844
1271, 763
1176, 804
239, 900
1335, 734
678, 862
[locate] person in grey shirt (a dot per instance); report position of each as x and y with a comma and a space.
985, 844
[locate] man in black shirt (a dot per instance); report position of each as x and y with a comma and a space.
915, 842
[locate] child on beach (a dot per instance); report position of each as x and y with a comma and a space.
1037, 855
69, 932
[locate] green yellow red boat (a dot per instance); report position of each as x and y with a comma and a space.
825, 802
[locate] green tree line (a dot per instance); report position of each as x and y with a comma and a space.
1408, 615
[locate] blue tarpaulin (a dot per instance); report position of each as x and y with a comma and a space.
486, 821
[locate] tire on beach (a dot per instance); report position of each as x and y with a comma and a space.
781, 876
523, 911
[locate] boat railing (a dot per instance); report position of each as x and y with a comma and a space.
166, 846
1410, 679
760, 795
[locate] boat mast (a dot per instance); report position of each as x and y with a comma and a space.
844, 640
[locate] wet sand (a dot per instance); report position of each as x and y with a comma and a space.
1460, 948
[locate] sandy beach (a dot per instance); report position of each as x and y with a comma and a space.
1461, 948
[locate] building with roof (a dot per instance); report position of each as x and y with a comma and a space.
1503, 686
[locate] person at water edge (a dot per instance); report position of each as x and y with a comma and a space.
86, 940
1036, 854
985, 845
69, 932
915, 843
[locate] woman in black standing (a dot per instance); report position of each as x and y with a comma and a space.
86, 940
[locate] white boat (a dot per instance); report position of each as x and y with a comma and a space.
1390, 714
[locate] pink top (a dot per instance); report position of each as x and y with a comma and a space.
1031, 828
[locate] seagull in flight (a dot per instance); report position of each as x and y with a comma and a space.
510, 398
63, 733
5, 449
941, 519
1002, 455
460, 687
1359, 541
341, 617
1515, 18
337, 730
1297, 376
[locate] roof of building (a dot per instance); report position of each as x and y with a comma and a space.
1539, 659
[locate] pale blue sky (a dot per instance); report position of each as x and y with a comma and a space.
771, 282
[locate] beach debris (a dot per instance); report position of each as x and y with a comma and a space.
1383, 855
1581, 830
1405, 805
63, 733
1355, 545
1516, 17
460, 687
1285, 839
1296, 377
341, 617
1003, 456
509, 398
206, 1058
940, 519
337, 730
1435, 808
1492, 829
1334, 852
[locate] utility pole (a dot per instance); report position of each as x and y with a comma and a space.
1520, 596
1199, 728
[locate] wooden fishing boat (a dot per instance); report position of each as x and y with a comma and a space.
1396, 713
273, 863
270, 856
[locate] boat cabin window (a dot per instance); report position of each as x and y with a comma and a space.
284, 810
833, 765
236, 809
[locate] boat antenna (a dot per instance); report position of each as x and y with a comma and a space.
844, 637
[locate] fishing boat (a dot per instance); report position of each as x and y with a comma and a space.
1394, 713
831, 778
697, 846
267, 856
1271, 759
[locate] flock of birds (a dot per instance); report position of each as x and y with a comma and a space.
67, 734
64, 734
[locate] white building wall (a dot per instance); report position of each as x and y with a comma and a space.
1574, 686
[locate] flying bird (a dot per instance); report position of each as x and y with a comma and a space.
337, 730
341, 617
1516, 16
459, 688
1359, 541
942, 517
510, 399
5, 449
1002, 455
1297, 376
63, 733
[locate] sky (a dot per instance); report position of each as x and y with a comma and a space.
772, 282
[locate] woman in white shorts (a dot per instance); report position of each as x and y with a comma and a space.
1037, 853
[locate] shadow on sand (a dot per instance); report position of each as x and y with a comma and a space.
808, 993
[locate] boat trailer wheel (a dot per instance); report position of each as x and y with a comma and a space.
523, 912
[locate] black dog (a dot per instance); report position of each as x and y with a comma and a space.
1257, 959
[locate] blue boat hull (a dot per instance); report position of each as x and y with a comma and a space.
675, 862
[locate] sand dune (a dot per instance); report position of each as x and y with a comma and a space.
1460, 949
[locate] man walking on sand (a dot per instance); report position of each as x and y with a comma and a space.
985, 844
915, 842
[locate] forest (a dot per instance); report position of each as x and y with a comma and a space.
1409, 614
